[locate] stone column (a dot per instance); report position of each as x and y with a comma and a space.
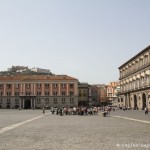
59, 89
67, 89
5, 89
32, 91
127, 103
31, 103
13, 89
20, 103
34, 102
42, 84
21, 89
74, 89
51, 89
23, 103
24, 89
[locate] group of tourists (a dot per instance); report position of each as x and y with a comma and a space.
84, 111
75, 111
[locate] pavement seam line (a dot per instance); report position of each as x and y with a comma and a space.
132, 119
10, 127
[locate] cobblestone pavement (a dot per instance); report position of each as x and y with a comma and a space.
52, 132
9, 116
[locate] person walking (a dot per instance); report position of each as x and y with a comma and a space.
146, 111
43, 111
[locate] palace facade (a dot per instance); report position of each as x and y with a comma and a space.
135, 81
36, 91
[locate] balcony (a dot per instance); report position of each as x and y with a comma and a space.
135, 70
142, 85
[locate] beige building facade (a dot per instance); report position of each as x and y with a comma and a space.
36, 91
135, 81
112, 90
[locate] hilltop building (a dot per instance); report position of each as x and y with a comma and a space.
40, 70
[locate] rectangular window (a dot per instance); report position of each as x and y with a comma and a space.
1, 86
16, 93
71, 100
71, 93
38, 100
8, 93
55, 85
55, 100
38, 85
80, 94
63, 93
8, 86
55, 93
16, 86
1, 93
84, 93
46, 86
121, 99
46, 93
27, 85
38, 93
47, 101
16, 101
63, 85
63, 100
1, 101
71, 86
8, 100
27, 93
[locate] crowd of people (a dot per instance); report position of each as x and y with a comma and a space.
85, 110
75, 111
79, 110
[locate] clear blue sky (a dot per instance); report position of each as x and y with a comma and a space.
86, 39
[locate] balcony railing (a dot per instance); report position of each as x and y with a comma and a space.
140, 86
135, 70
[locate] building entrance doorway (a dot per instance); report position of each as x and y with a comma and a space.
27, 104
135, 102
143, 101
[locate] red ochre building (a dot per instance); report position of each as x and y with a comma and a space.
37, 91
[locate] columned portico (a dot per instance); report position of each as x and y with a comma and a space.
31, 103
23, 103
27, 102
